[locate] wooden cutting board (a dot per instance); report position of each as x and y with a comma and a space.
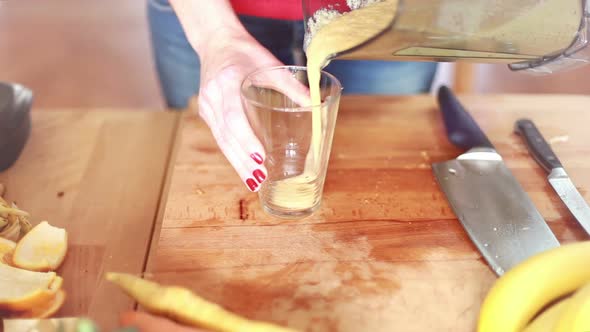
385, 252
100, 176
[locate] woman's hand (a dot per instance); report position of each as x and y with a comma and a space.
225, 63
228, 53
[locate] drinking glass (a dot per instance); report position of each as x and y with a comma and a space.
280, 112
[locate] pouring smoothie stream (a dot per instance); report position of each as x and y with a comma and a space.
345, 32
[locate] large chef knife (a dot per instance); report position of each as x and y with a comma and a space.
496, 212
558, 178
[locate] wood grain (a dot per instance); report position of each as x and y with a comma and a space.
385, 252
100, 176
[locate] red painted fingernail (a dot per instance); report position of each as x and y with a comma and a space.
258, 175
252, 184
257, 158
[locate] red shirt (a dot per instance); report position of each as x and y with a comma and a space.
277, 9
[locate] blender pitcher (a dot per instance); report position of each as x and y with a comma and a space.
540, 36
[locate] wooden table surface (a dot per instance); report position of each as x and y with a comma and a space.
99, 175
385, 252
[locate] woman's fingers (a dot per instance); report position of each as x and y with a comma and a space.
233, 134
148, 323
243, 142
233, 115
289, 85
238, 129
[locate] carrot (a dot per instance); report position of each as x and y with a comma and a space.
145, 322
183, 306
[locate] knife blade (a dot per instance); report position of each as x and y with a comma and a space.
558, 177
495, 211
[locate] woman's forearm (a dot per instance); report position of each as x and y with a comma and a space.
207, 20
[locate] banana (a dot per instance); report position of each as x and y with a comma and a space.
576, 315
525, 289
547, 320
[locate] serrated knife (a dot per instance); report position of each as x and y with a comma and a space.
495, 211
558, 177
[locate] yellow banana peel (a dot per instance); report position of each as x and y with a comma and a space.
576, 314
523, 291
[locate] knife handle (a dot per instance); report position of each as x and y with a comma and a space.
461, 129
538, 147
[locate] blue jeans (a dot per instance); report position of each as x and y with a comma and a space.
178, 65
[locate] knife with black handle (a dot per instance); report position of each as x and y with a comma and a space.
558, 177
491, 205
461, 129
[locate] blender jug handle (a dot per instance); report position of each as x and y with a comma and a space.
576, 55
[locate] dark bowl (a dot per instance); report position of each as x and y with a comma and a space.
15, 122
